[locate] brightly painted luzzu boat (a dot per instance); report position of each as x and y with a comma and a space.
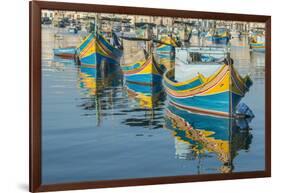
97, 53
144, 72
219, 36
166, 52
197, 134
221, 39
218, 94
257, 43
138, 65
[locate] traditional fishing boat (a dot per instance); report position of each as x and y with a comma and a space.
138, 64
166, 52
219, 36
98, 53
257, 41
218, 94
197, 135
258, 46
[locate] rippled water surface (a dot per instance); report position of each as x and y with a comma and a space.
90, 135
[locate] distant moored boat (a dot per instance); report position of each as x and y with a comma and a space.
257, 43
68, 52
219, 36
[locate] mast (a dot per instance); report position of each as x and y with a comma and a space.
96, 22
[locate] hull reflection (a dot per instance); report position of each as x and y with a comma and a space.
146, 96
148, 103
197, 135
99, 95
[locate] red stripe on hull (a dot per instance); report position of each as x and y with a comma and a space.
201, 111
66, 56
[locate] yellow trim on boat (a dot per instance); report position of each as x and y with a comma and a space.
84, 40
199, 76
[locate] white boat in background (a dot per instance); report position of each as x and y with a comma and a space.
201, 54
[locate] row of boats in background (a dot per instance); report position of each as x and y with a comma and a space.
256, 37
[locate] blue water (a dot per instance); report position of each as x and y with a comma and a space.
92, 135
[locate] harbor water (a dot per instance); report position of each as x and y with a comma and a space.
108, 134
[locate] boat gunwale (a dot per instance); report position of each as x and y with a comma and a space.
200, 76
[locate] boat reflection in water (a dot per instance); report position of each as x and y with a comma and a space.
95, 85
98, 94
198, 136
146, 96
148, 104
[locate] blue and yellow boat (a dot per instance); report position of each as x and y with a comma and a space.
205, 134
98, 53
257, 43
219, 36
218, 94
143, 72
166, 52
138, 64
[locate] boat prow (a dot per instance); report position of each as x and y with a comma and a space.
96, 52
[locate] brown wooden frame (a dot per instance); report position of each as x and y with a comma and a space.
35, 8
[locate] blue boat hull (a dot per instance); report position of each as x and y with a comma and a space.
220, 40
65, 52
96, 52
144, 79
145, 89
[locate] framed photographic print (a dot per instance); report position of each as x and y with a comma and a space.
123, 96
